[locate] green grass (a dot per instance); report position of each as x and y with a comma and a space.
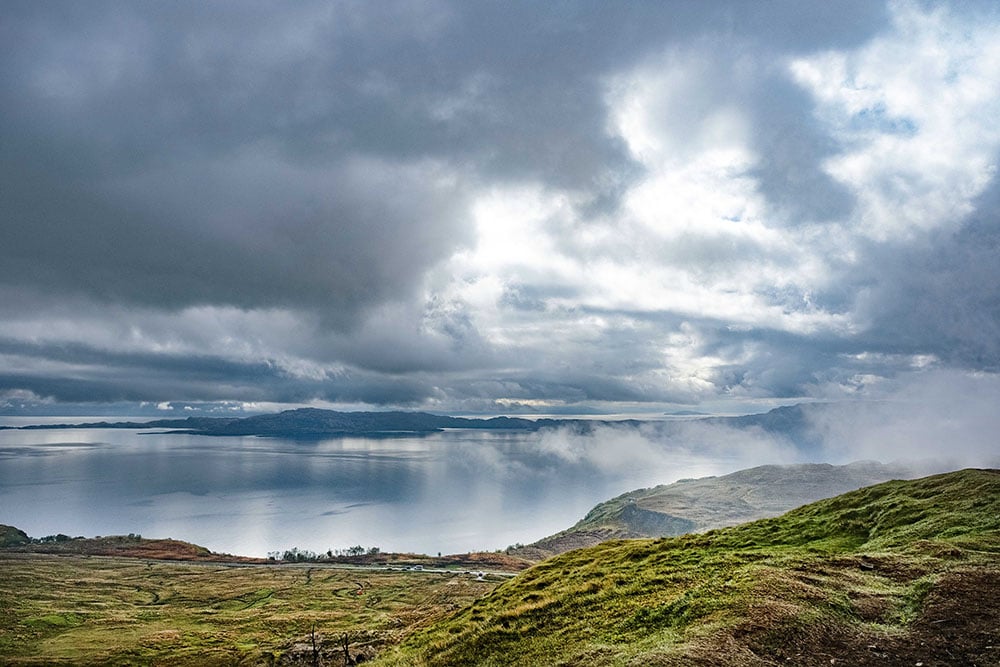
117, 611
865, 560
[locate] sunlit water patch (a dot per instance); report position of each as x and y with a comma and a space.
447, 492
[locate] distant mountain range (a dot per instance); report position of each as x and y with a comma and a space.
314, 422
790, 422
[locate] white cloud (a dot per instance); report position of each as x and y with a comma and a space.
915, 111
705, 241
646, 456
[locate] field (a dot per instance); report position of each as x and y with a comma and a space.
91, 610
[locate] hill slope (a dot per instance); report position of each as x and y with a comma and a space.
696, 505
897, 573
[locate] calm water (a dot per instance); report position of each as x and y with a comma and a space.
448, 492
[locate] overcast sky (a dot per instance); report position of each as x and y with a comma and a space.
496, 207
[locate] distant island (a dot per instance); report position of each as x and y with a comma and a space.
790, 421
315, 422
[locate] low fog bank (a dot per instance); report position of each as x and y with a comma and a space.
951, 419
932, 422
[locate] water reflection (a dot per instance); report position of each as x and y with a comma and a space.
450, 492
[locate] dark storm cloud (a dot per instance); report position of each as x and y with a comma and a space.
189, 154
792, 150
319, 161
238, 232
155, 158
941, 297
78, 373
126, 386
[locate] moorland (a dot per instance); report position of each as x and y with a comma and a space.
900, 572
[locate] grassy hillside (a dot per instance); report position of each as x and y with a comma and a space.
696, 505
898, 573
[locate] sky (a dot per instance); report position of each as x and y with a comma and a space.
497, 207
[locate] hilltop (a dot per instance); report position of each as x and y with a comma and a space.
903, 572
697, 505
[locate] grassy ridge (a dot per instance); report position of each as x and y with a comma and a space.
697, 505
853, 571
